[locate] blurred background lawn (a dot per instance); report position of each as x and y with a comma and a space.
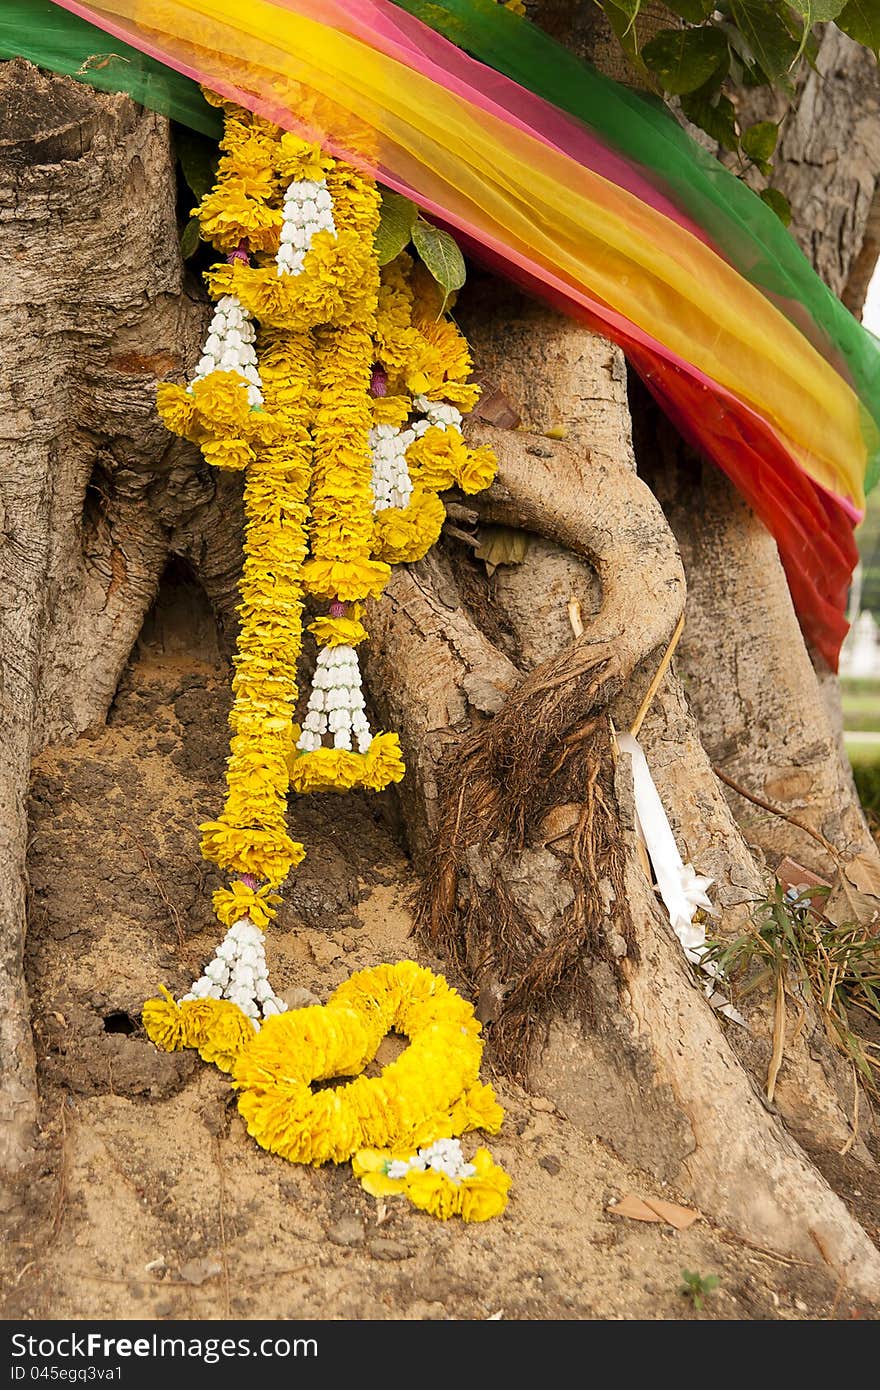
861, 720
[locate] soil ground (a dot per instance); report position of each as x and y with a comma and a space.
153, 1202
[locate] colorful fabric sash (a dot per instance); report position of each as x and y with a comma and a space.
606, 207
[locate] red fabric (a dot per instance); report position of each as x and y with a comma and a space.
812, 530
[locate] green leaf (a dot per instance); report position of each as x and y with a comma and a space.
715, 115
198, 160
861, 20
622, 15
441, 256
816, 11
767, 35
685, 59
627, 12
759, 140
189, 239
694, 11
396, 221
779, 203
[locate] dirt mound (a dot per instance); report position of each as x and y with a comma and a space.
154, 1202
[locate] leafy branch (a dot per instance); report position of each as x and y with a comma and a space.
401, 224
715, 48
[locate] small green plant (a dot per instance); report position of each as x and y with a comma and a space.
805, 958
696, 1286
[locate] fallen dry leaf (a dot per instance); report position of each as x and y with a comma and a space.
496, 409
847, 903
655, 1209
864, 874
634, 1208
501, 545
679, 1217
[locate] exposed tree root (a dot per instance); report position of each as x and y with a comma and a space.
632, 1050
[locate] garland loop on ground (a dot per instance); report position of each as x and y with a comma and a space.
431, 1092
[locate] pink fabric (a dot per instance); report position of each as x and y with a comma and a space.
401, 36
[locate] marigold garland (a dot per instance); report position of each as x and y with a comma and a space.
431, 1092
337, 390
478, 1196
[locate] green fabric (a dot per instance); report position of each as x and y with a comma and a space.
53, 38
742, 227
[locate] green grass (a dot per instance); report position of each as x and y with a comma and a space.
867, 779
861, 753
861, 714
802, 955
861, 705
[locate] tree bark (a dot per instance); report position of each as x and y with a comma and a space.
828, 160
94, 493
507, 888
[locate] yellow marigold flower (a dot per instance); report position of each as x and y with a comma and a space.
217, 1028
445, 355
228, 453
485, 1194
338, 632
222, 398
477, 1109
163, 1023
176, 407
383, 763
325, 770
369, 1167
223, 1031
479, 1197
414, 1094
433, 1192
391, 410
463, 394
346, 579
336, 769
441, 458
431, 459
237, 901
195, 1018
298, 159
477, 470
269, 854
404, 534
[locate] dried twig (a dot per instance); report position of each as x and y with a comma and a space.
160, 889
63, 1175
855, 1119
776, 811
778, 1037
658, 677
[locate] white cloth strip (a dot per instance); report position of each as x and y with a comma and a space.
681, 888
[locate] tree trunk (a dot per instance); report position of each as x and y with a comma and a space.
94, 493
517, 815
536, 902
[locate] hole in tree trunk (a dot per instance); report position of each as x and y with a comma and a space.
181, 621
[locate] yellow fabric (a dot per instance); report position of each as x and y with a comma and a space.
535, 201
